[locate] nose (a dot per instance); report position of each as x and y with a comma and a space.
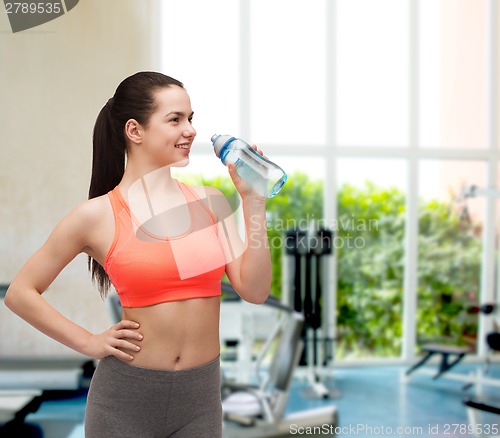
189, 131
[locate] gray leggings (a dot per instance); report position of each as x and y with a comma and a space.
125, 401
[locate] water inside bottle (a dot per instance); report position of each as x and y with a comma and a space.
264, 176
266, 181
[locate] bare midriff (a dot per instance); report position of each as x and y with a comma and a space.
177, 335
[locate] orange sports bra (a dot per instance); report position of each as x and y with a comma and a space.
146, 269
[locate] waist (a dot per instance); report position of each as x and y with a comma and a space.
163, 375
177, 335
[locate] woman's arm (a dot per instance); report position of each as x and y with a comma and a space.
248, 264
24, 296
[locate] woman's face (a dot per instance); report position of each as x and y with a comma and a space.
169, 134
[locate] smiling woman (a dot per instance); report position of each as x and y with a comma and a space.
143, 231
169, 128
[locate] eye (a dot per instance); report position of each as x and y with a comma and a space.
175, 120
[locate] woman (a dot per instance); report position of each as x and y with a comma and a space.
164, 246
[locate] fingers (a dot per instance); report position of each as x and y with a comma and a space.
124, 323
232, 169
126, 345
119, 354
122, 332
233, 174
259, 151
256, 149
130, 334
243, 187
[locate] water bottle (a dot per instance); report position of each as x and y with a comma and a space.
265, 177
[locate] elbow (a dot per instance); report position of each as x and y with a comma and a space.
254, 290
259, 300
12, 299
256, 296
9, 299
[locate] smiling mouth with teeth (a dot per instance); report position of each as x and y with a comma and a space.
182, 146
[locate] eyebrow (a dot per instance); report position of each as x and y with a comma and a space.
179, 113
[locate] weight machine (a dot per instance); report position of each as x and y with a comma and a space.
306, 261
492, 310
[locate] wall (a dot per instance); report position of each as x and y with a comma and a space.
54, 80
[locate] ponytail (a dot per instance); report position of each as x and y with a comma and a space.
134, 99
108, 158
108, 165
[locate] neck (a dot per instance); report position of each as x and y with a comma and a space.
159, 178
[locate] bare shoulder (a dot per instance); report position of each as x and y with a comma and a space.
92, 223
93, 210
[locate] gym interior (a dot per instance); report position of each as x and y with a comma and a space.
384, 313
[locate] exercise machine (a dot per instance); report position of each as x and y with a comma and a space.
307, 253
475, 408
479, 405
242, 326
258, 410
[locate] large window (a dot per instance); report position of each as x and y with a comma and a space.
388, 109
450, 247
371, 223
287, 75
453, 73
372, 62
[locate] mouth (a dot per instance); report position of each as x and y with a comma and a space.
182, 146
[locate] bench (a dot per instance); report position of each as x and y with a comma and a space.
447, 362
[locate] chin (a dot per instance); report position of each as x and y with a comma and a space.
181, 163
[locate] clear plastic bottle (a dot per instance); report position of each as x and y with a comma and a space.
265, 177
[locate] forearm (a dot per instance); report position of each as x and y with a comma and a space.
255, 269
34, 309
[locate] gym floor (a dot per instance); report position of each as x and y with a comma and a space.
372, 402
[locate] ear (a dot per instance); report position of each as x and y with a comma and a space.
133, 131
